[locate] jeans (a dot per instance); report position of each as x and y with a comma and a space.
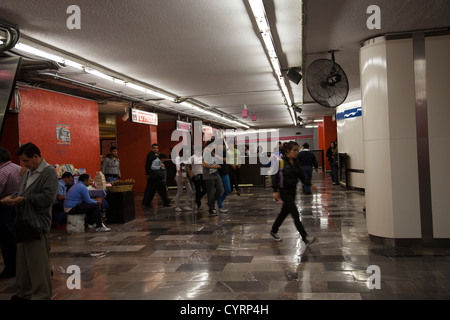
111, 179
214, 188
226, 190
333, 171
307, 170
289, 206
154, 185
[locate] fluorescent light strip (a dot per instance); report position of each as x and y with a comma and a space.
259, 13
192, 106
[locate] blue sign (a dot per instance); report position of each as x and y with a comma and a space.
351, 113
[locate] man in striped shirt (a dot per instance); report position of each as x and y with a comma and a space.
9, 183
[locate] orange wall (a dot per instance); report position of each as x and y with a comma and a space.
133, 145
327, 132
41, 111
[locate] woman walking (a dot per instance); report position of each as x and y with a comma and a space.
284, 184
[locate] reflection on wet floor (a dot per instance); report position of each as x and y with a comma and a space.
166, 255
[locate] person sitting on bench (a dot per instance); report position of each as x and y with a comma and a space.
77, 201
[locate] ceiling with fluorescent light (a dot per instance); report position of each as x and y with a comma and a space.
209, 52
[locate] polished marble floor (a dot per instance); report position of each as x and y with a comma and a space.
166, 255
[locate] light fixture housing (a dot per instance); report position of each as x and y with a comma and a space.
294, 75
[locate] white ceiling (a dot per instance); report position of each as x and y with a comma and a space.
211, 50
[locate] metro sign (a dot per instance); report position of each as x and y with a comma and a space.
139, 116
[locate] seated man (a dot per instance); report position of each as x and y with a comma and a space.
78, 201
58, 209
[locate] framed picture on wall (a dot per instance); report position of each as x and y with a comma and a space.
62, 134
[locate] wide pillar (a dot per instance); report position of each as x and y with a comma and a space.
405, 94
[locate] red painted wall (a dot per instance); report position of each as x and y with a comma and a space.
41, 111
327, 132
165, 130
133, 145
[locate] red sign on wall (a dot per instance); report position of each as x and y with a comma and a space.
144, 117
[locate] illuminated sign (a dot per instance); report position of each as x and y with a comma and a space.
183, 126
144, 117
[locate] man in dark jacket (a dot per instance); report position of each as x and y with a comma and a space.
307, 161
153, 181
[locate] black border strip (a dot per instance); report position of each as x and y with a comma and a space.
423, 154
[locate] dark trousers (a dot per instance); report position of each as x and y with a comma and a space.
92, 211
7, 243
333, 171
154, 185
214, 188
289, 206
234, 177
307, 170
200, 189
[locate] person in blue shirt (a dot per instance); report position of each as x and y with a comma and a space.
78, 201
57, 209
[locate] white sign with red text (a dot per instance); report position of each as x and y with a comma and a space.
144, 117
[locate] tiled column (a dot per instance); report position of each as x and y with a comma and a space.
403, 127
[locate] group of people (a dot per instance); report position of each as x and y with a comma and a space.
214, 178
27, 196
29, 193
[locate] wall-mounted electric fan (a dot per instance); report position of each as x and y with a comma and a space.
327, 82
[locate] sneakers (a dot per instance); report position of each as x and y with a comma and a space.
103, 228
275, 236
213, 212
309, 239
178, 209
187, 208
91, 226
222, 210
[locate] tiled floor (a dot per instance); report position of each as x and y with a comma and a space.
164, 255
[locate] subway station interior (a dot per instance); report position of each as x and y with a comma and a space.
77, 78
